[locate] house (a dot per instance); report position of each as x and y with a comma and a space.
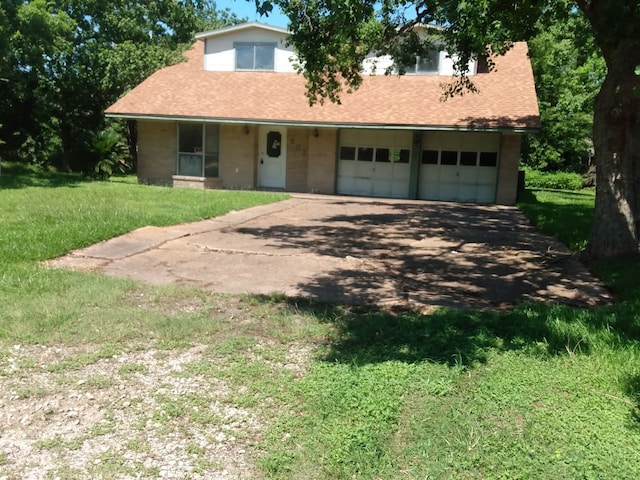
235, 116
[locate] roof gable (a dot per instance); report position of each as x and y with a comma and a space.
241, 28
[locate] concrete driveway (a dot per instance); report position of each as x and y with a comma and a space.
355, 250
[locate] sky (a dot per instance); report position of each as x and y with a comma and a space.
244, 8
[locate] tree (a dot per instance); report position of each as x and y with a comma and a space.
70, 59
569, 71
332, 38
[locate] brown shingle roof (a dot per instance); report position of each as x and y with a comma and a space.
506, 98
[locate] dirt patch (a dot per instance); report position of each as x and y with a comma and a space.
355, 250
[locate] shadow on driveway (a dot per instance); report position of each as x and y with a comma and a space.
359, 251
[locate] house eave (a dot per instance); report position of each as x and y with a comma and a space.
311, 124
238, 28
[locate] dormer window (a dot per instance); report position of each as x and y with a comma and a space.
426, 66
255, 56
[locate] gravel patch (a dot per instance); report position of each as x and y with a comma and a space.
66, 413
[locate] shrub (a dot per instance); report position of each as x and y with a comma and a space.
553, 180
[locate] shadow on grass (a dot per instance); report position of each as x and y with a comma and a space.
365, 335
15, 176
369, 335
570, 222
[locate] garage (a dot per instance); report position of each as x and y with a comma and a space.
459, 166
374, 163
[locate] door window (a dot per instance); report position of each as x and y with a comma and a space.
274, 144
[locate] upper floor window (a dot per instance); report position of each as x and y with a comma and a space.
426, 65
255, 56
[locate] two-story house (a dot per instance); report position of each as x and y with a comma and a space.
235, 115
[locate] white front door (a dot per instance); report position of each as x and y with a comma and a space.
272, 157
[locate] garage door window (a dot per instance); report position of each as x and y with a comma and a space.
387, 155
429, 157
347, 153
402, 155
488, 159
365, 154
448, 157
468, 159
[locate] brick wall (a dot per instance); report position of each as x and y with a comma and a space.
321, 169
297, 159
508, 169
238, 154
157, 146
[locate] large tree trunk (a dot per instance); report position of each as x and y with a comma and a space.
616, 138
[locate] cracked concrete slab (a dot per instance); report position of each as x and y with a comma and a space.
356, 250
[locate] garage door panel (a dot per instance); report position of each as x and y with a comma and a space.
362, 186
448, 174
384, 170
456, 171
380, 165
401, 171
400, 188
486, 194
487, 175
382, 187
467, 193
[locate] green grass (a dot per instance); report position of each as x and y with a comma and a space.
564, 214
536, 391
45, 216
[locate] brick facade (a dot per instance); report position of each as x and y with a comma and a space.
508, 169
311, 159
321, 171
238, 156
157, 147
297, 159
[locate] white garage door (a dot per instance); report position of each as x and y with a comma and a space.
374, 163
459, 167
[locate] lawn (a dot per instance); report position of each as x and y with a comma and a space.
104, 377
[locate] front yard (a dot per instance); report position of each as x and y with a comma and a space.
107, 378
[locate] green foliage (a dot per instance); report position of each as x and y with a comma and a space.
67, 62
569, 71
553, 180
111, 152
332, 38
